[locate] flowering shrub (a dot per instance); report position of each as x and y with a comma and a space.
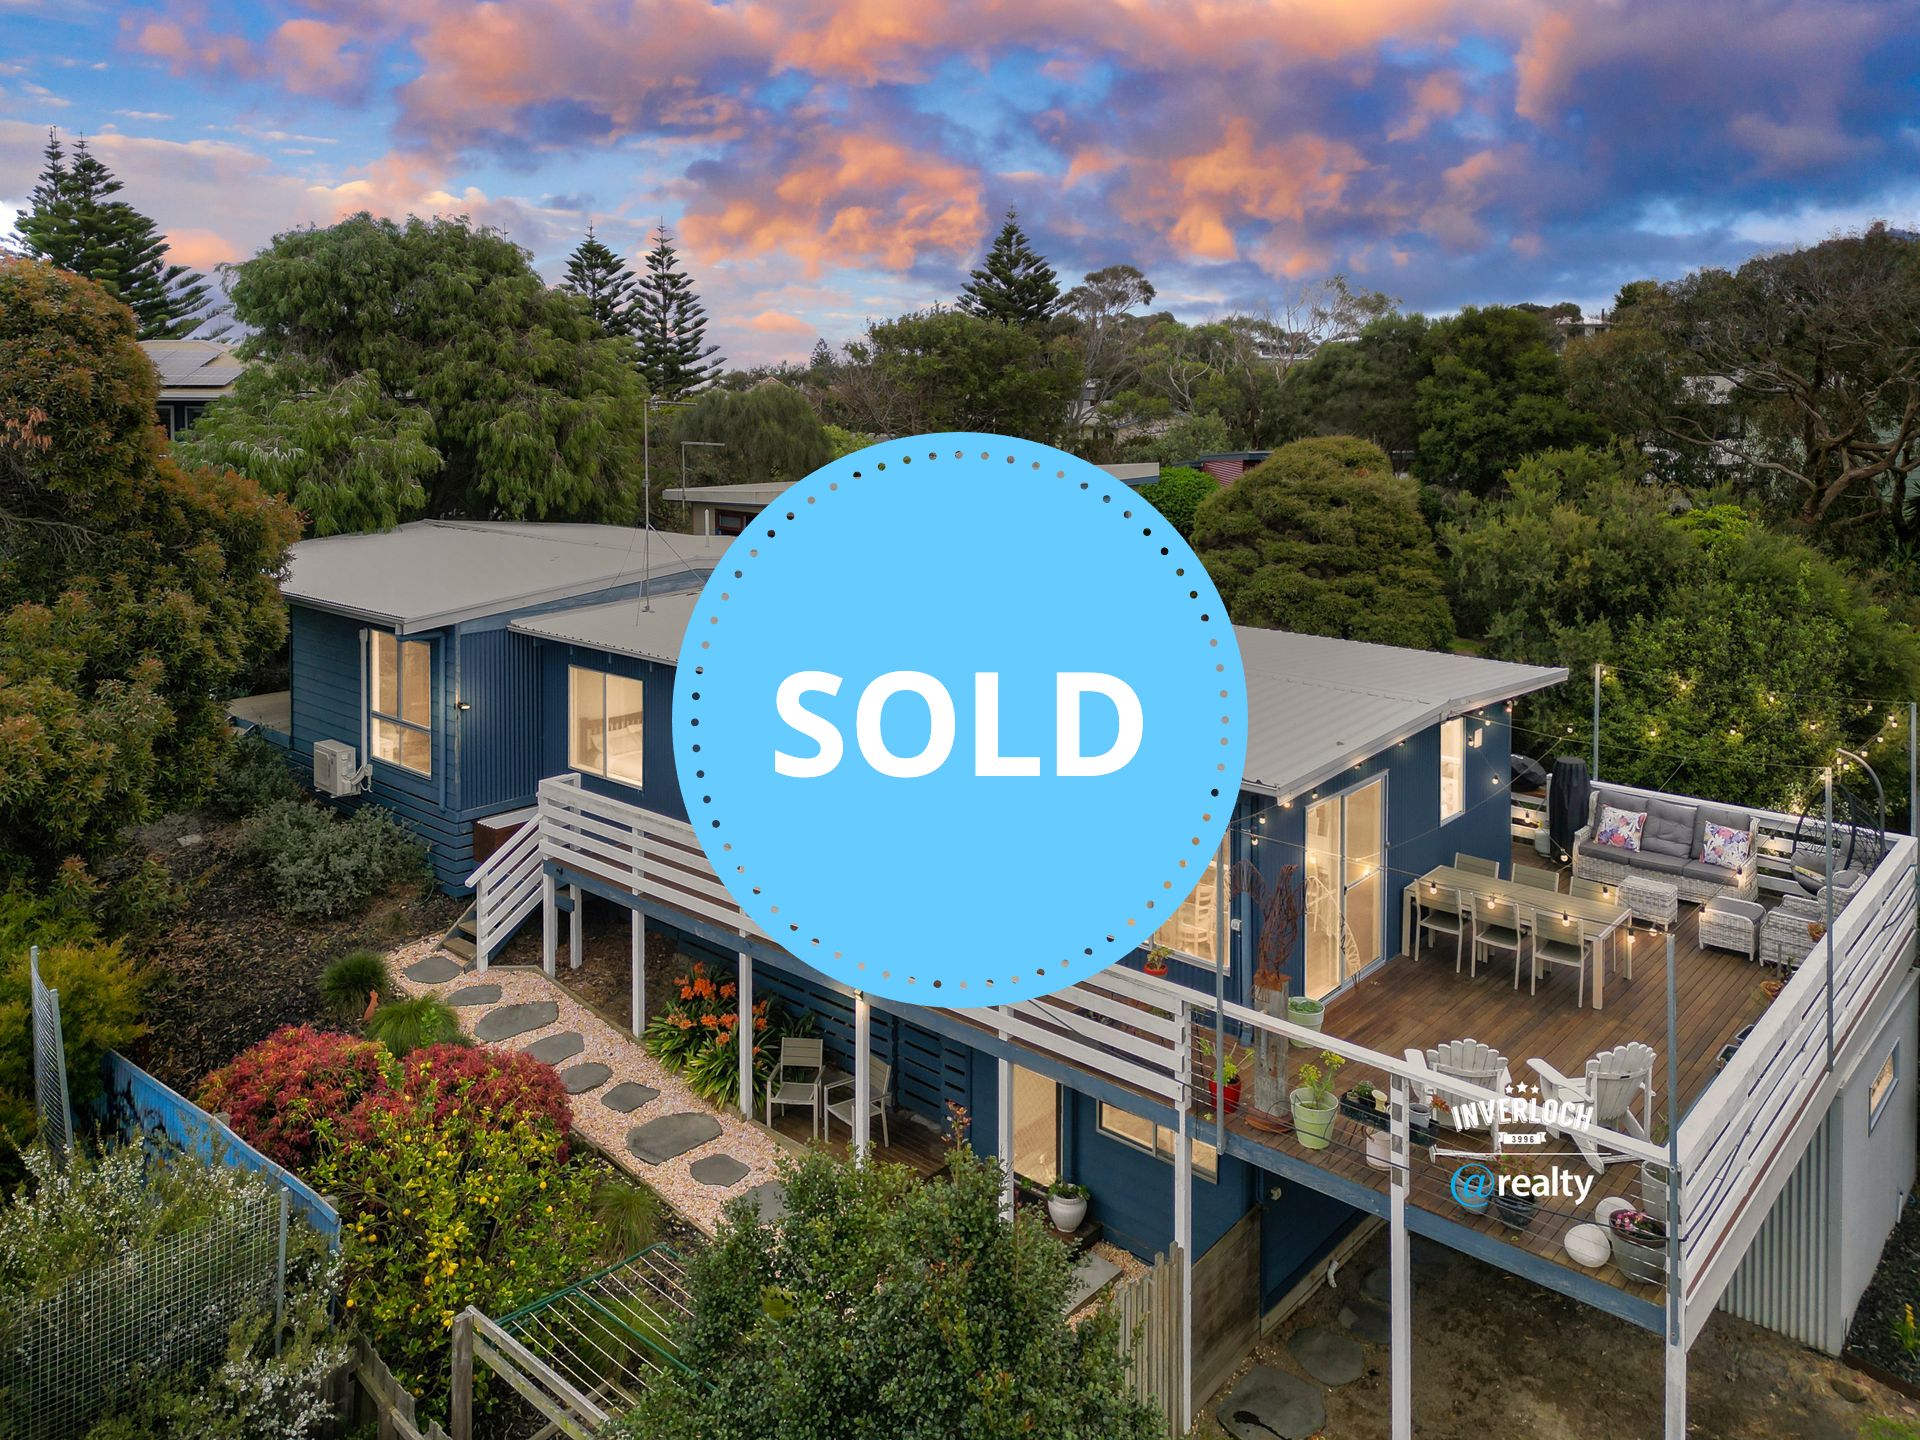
276, 1092
487, 1088
451, 1208
698, 1035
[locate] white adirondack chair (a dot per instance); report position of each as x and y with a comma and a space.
1467, 1060
1614, 1079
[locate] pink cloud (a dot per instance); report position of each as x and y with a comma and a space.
775, 322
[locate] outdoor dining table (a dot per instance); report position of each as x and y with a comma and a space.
1606, 916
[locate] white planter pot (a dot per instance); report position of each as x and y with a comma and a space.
1066, 1212
1309, 1020
1380, 1149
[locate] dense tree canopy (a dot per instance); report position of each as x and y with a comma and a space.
1365, 386
1494, 392
767, 433
132, 589
948, 370
1014, 283
1325, 539
444, 339
883, 1305
72, 221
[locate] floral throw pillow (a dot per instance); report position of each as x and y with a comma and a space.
1620, 828
1724, 846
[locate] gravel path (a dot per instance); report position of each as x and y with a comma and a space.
740, 1140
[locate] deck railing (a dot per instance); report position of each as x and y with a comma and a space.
1745, 1134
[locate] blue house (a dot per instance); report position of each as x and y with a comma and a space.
513, 686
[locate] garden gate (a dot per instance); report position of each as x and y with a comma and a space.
1149, 1309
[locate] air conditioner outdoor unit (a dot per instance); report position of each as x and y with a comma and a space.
335, 771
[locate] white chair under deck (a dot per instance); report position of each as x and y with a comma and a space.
841, 1108
795, 1081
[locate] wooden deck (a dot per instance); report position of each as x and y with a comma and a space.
1421, 1003
916, 1144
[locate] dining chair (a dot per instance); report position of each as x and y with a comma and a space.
1558, 939
1438, 912
841, 1109
795, 1081
1495, 925
1590, 889
1537, 879
1476, 865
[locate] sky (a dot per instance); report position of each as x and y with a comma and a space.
826, 162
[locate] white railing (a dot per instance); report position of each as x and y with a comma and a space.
1744, 1135
506, 889
1118, 1023
1526, 816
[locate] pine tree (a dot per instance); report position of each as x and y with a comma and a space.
601, 277
73, 221
670, 325
1014, 283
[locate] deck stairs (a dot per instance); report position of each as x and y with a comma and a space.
462, 936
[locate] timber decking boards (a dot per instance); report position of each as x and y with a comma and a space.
1404, 1004
915, 1144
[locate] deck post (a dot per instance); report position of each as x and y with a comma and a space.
573, 928
549, 922
1003, 1127
745, 1010
639, 982
1676, 1337
862, 1075
1400, 1291
1183, 1212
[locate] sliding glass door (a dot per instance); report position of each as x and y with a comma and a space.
1346, 885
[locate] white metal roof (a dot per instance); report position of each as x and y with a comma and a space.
193, 369
1315, 705
757, 493
439, 572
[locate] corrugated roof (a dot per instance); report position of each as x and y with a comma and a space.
1315, 705
439, 572
189, 369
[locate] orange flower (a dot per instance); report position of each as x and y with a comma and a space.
686, 992
759, 1022
683, 1021
727, 990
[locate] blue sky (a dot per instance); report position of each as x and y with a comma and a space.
828, 161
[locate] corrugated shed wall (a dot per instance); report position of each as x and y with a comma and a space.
500, 733
1786, 1282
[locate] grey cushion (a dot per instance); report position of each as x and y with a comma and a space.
1652, 862
1732, 819
1712, 874
1619, 799
1670, 830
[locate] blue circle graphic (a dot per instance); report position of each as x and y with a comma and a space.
875, 713
1472, 1186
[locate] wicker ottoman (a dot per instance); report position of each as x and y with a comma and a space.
1784, 940
1730, 924
1654, 901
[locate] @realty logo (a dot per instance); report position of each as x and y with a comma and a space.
960, 720
1472, 1186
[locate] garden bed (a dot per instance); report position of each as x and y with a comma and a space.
1882, 1316
228, 969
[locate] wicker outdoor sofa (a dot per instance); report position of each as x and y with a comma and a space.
1670, 847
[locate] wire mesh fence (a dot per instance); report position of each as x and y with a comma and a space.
49, 1065
145, 1316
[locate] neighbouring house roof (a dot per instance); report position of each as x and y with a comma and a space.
432, 573
1314, 705
756, 494
193, 369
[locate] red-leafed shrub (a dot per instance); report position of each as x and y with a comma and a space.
276, 1092
489, 1089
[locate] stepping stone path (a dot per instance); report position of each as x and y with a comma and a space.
434, 970
473, 995
581, 1078
719, 1170
1378, 1285
1091, 1274
628, 1096
1328, 1356
511, 1020
555, 1048
658, 1141
1269, 1402
770, 1199
1366, 1321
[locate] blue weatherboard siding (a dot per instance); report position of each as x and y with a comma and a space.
661, 790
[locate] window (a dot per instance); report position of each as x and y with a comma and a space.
1882, 1087
1158, 1140
1453, 769
400, 702
1036, 1126
1193, 930
604, 724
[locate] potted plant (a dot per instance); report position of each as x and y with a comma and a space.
1312, 1102
1066, 1205
1309, 1014
1226, 1068
1639, 1246
1157, 957
1513, 1198
1366, 1105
